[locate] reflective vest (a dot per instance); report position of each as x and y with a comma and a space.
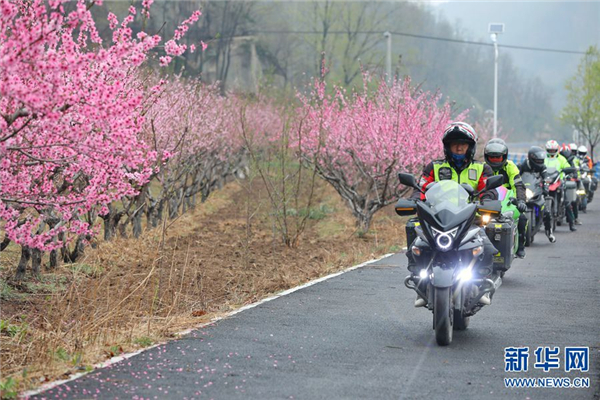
509, 171
559, 162
442, 170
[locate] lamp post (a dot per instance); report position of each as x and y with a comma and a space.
495, 29
388, 58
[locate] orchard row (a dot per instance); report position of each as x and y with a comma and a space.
89, 131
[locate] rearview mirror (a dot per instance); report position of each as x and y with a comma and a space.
493, 207
468, 188
493, 182
406, 207
408, 180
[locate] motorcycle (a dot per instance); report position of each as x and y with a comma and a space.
555, 201
536, 203
557, 193
588, 186
449, 251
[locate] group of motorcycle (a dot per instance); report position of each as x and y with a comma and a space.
452, 227
559, 192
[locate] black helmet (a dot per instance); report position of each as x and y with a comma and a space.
459, 132
536, 157
496, 154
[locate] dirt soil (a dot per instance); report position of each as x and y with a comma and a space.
131, 293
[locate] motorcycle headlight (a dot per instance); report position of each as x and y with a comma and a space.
465, 274
581, 192
444, 240
528, 193
485, 218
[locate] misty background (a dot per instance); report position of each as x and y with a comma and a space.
277, 47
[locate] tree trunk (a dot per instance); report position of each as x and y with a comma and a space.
111, 221
36, 261
137, 224
4, 243
77, 252
363, 223
53, 263
21, 268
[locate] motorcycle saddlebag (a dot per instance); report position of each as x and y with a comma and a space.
411, 234
501, 234
570, 191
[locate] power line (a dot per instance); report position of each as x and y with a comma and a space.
422, 37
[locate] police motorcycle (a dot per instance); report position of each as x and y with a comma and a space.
536, 202
449, 251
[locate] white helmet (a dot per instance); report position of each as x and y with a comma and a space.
582, 151
552, 148
573, 148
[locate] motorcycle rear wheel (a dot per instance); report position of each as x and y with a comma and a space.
443, 314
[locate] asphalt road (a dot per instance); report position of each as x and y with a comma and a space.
357, 336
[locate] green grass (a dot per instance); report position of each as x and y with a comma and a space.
330, 227
395, 248
92, 271
8, 388
13, 330
47, 284
143, 341
7, 292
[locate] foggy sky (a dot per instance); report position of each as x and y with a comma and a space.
564, 25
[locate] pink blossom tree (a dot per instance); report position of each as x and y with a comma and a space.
359, 142
70, 109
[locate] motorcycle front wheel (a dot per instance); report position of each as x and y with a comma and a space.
529, 230
443, 314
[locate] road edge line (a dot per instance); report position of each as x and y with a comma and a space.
116, 359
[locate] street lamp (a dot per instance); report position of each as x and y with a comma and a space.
388, 58
495, 29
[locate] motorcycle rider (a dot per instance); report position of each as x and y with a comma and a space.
567, 153
585, 159
586, 162
556, 160
495, 154
460, 142
534, 164
574, 160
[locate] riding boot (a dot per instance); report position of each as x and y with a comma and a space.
575, 208
522, 226
548, 227
570, 217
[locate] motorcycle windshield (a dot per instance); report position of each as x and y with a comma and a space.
447, 195
551, 174
529, 179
